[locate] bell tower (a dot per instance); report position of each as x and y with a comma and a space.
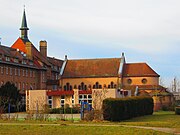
24, 29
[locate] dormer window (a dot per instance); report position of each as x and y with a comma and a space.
55, 67
24, 61
7, 58
1, 56
16, 60
31, 63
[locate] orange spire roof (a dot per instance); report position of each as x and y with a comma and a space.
19, 44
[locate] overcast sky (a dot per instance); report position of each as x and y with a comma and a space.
145, 30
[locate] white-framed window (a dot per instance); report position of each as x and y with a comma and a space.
1, 56
19, 72
16, 60
15, 71
23, 72
86, 98
31, 63
62, 101
19, 85
26, 73
73, 100
30, 73
2, 69
24, 62
34, 75
7, 58
10, 71
23, 86
50, 101
7, 70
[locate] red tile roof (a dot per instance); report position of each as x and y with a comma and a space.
59, 92
55, 61
20, 45
92, 68
138, 69
85, 91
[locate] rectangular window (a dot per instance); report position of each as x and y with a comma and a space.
23, 72
16, 60
0, 56
2, 69
7, 58
30, 73
10, 71
31, 63
50, 101
7, 70
19, 72
26, 73
34, 75
15, 71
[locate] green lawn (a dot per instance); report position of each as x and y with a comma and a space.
73, 130
158, 119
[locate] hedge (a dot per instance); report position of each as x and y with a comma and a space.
117, 109
177, 110
62, 110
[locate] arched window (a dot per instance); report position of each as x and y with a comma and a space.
75, 86
97, 86
67, 86
112, 84
79, 87
89, 86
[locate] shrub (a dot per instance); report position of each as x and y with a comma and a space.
177, 110
125, 108
63, 110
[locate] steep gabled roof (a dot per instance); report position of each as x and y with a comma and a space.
56, 62
138, 69
86, 68
19, 44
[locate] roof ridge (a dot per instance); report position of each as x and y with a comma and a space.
94, 59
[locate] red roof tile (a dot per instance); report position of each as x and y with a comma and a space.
19, 44
59, 92
138, 69
92, 68
85, 91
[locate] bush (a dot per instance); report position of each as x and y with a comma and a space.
125, 108
177, 110
63, 110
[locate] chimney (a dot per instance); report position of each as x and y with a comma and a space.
66, 57
43, 48
29, 50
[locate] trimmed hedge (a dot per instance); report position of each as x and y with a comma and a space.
177, 110
117, 109
62, 110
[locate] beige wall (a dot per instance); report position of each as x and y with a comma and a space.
35, 99
88, 81
138, 80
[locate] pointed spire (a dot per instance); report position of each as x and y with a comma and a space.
24, 28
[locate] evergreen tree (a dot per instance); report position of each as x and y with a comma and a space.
9, 94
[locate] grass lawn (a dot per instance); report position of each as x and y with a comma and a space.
158, 119
72, 130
